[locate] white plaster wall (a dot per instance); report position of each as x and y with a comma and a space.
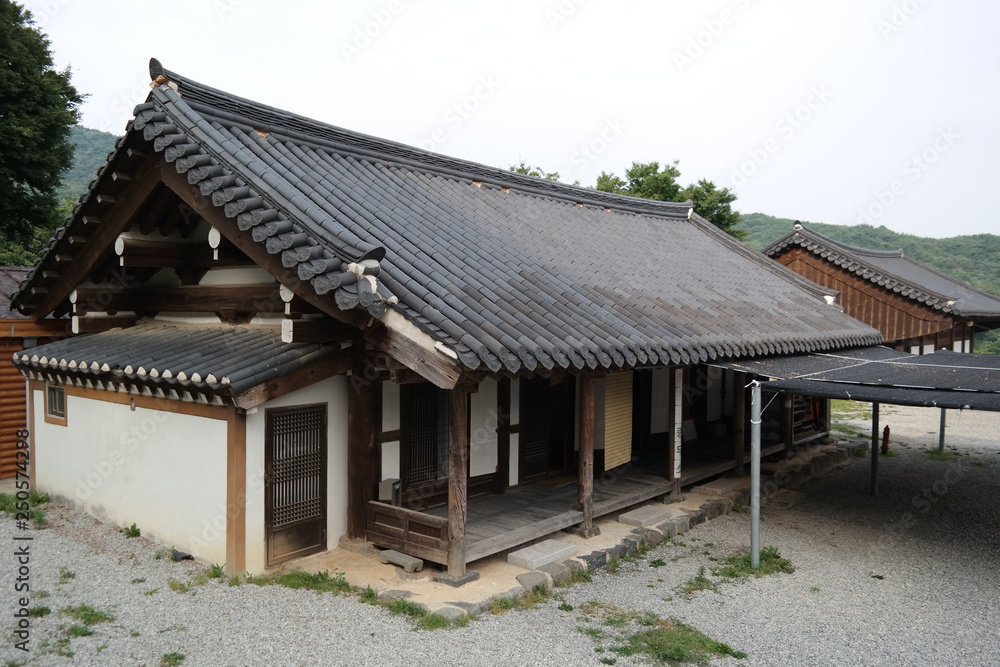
237, 275
390, 422
929, 348
660, 406
483, 423
165, 472
333, 392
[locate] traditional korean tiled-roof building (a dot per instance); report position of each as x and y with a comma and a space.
286, 313
916, 308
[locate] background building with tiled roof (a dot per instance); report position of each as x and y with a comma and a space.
916, 308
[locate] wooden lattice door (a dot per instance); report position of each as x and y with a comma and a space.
295, 482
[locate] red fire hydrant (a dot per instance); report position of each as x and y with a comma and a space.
885, 440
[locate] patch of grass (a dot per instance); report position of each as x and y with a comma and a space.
323, 582
41, 595
134, 633
234, 581
433, 622
171, 659
39, 611
740, 508
404, 607
565, 606
216, 571
79, 631
938, 455
151, 591
845, 409
608, 661
613, 565
130, 531
65, 575
814, 589
9, 504
699, 582
177, 586
672, 641
659, 562
139, 580
577, 577
593, 633
369, 595
891, 453
87, 614
771, 562
61, 647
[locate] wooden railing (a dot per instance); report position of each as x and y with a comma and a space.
414, 533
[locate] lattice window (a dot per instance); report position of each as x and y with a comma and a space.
425, 420
297, 477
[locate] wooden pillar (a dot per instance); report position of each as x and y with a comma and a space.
875, 446
585, 473
788, 424
458, 478
677, 433
236, 493
739, 421
362, 426
503, 435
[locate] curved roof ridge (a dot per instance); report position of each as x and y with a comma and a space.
282, 123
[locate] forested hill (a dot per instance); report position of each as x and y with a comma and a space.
92, 148
972, 259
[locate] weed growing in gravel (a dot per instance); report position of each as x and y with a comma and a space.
38, 612
613, 565
171, 659
65, 575
9, 504
369, 595
938, 455
79, 631
565, 606
740, 508
699, 582
139, 580
577, 577
593, 633
738, 566
216, 571
41, 595
130, 531
323, 582
672, 641
151, 592
87, 614
60, 647
177, 586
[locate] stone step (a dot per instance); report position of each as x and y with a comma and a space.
723, 487
543, 553
645, 516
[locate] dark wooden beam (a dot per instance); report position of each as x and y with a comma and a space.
337, 364
363, 424
181, 256
100, 242
315, 331
255, 298
458, 480
86, 325
426, 361
585, 472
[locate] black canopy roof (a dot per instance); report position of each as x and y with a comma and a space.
943, 379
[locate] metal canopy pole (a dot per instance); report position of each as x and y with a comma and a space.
755, 401
941, 432
875, 446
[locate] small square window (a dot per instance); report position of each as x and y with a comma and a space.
55, 405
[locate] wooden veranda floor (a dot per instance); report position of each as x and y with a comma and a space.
530, 511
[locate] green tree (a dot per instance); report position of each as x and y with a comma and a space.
523, 167
649, 181
38, 105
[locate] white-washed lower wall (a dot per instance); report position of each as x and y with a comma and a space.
163, 471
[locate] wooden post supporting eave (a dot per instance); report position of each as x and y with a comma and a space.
739, 421
236, 493
362, 426
458, 479
585, 481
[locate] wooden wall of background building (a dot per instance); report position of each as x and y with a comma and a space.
897, 317
12, 406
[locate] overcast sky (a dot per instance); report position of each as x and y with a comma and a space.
878, 111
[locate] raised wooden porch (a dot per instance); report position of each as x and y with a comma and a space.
500, 522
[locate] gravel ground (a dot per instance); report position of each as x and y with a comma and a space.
909, 577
